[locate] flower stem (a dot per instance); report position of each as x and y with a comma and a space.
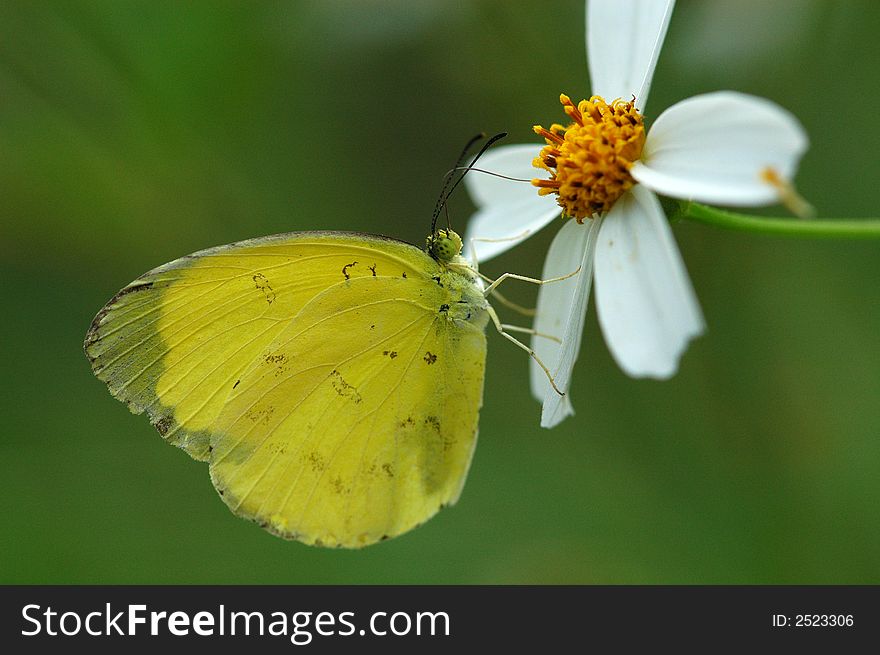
860, 228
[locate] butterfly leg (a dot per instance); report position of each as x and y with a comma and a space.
517, 328
519, 309
501, 330
475, 268
523, 278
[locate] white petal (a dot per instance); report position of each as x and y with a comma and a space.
509, 211
507, 225
646, 305
512, 161
562, 307
715, 147
624, 38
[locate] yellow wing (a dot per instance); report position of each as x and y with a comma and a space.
332, 380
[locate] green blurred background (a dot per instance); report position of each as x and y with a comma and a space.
134, 132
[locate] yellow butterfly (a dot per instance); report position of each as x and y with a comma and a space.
331, 380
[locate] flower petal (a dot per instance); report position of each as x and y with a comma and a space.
512, 161
717, 148
507, 225
646, 305
509, 212
624, 38
562, 307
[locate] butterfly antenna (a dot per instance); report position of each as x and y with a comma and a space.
447, 190
494, 174
441, 200
485, 147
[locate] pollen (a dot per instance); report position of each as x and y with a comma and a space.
589, 161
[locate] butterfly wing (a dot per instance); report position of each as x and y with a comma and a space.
316, 372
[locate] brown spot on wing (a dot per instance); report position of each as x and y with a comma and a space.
276, 448
262, 283
345, 270
339, 486
316, 461
261, 415
279, 360
163, 425
343, 388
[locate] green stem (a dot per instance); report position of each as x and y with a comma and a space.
862, 228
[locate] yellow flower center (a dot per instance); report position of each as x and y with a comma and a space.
589, 160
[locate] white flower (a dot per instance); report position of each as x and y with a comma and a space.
604, 169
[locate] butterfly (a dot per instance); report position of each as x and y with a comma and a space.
331, 380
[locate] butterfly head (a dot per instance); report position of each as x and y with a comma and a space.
443, 245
